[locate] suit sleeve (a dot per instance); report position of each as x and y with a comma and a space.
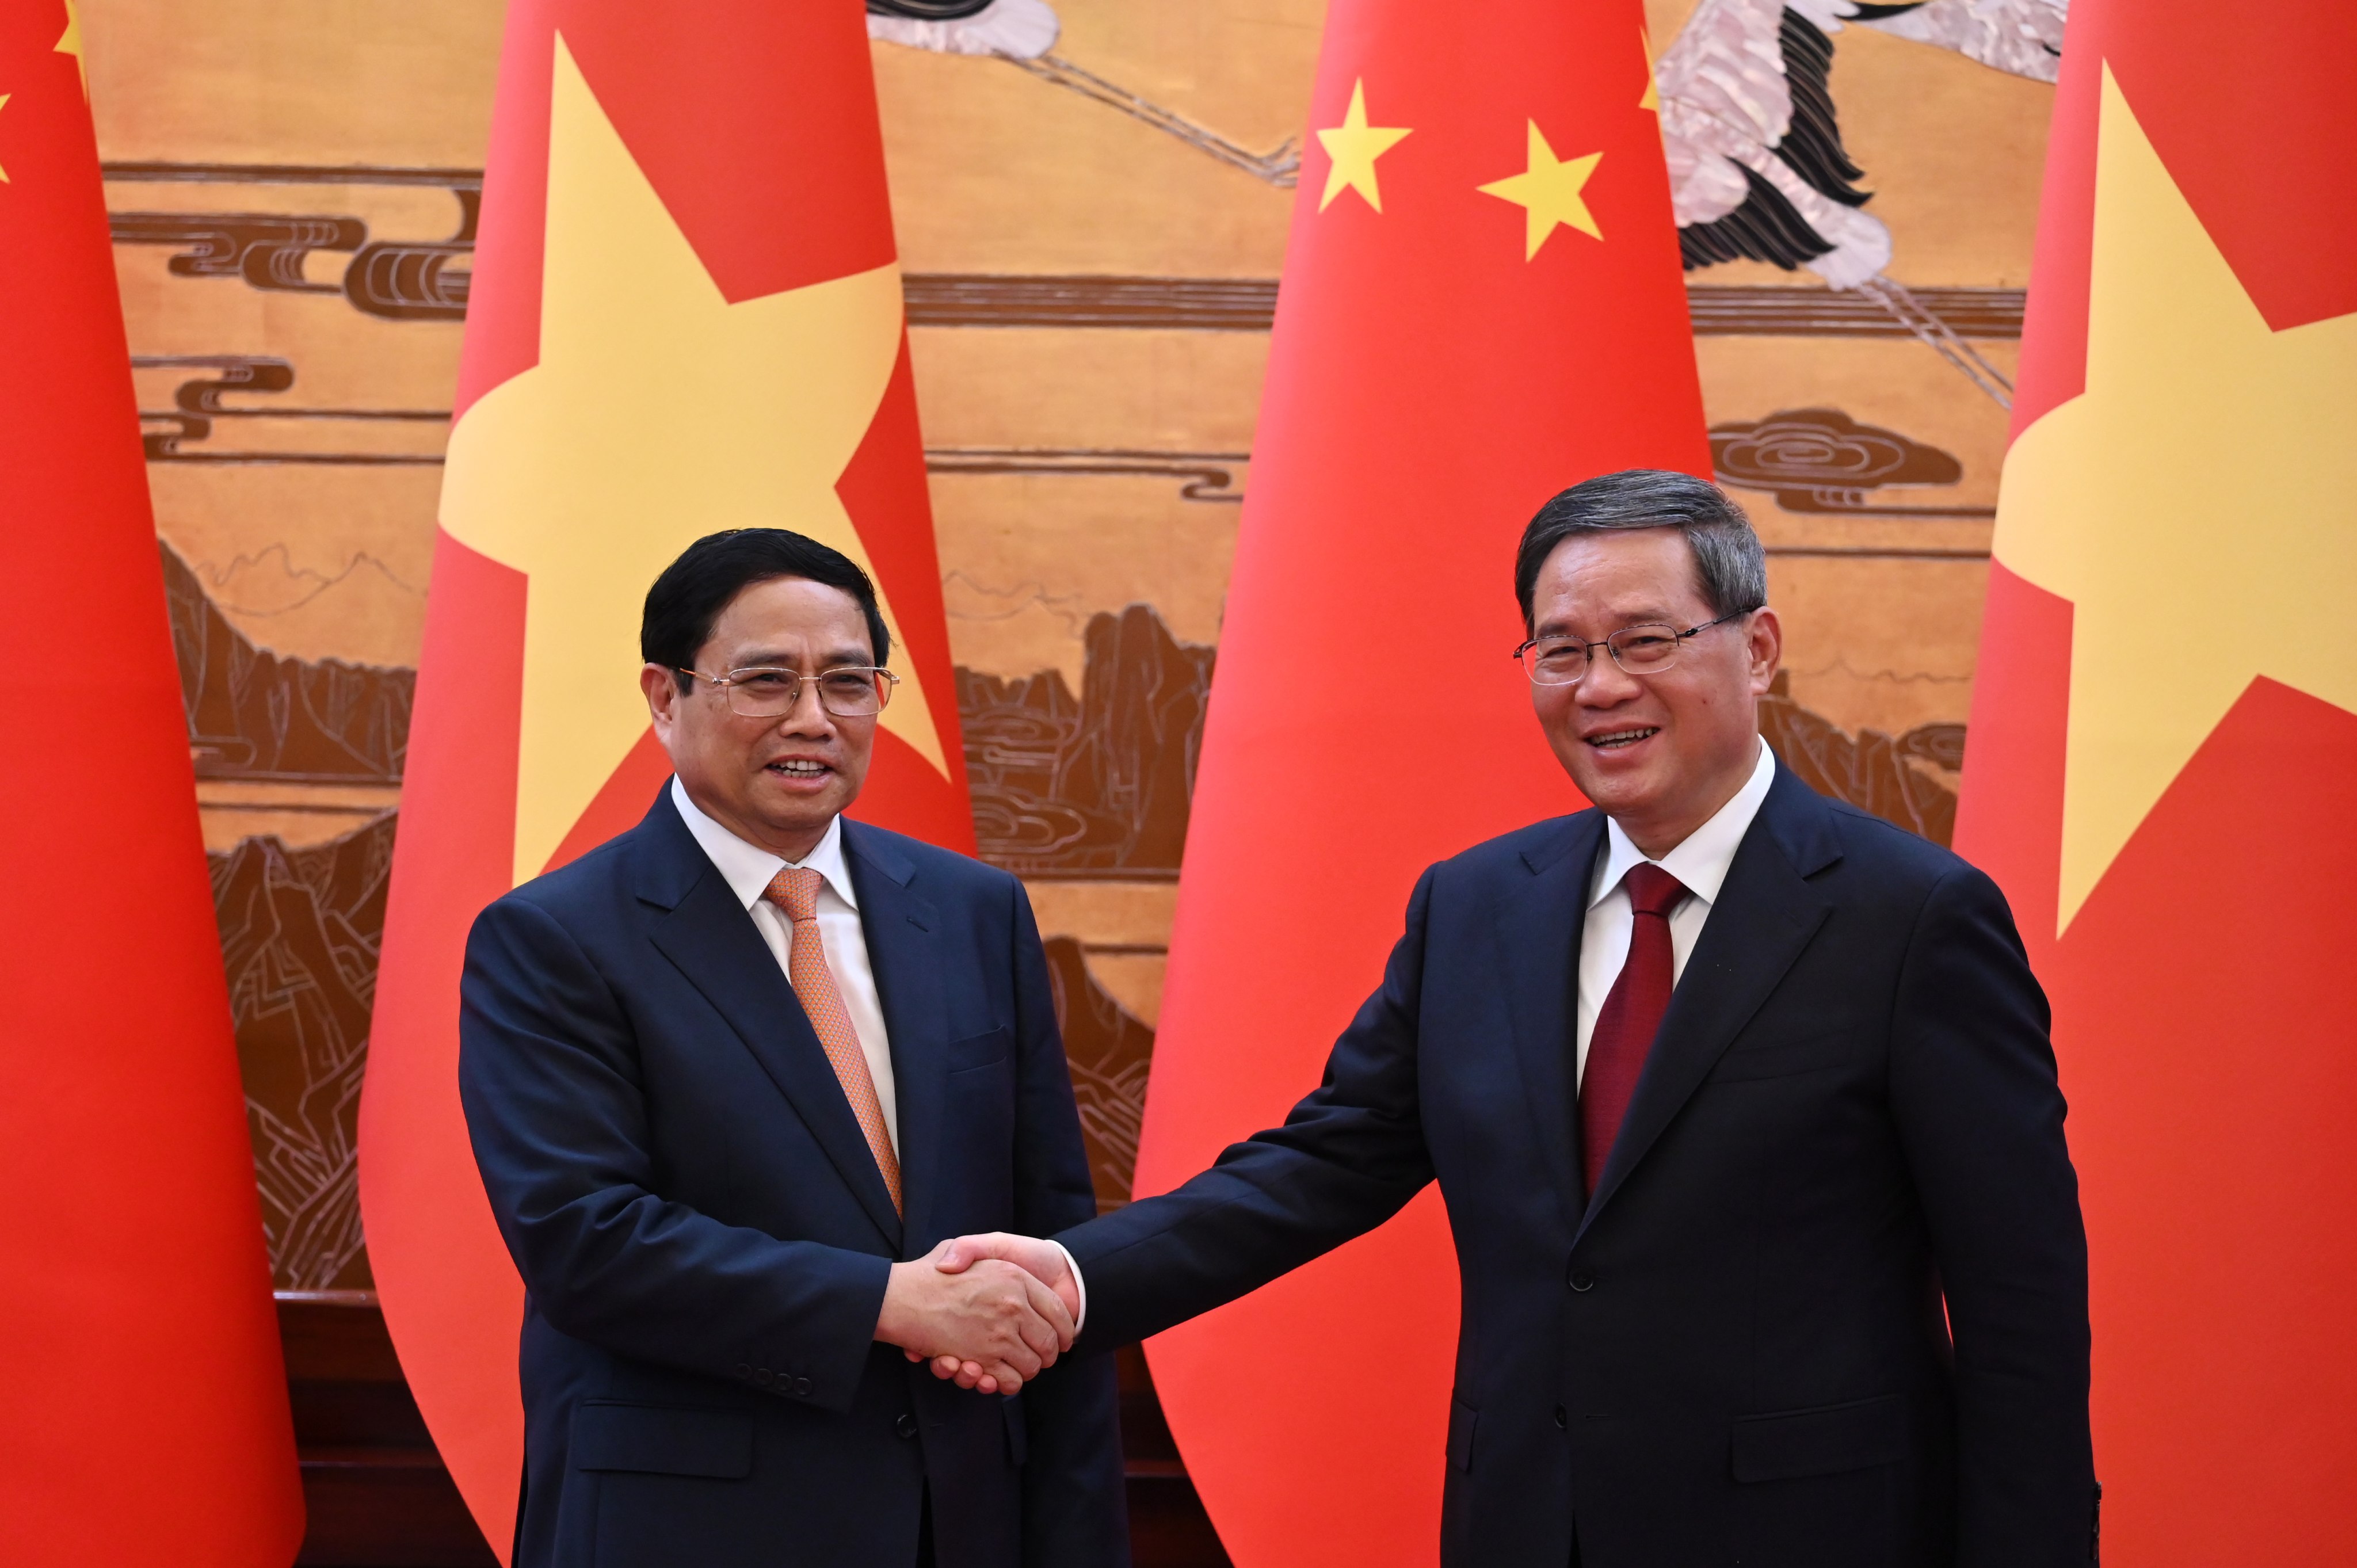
1980, 1114
1075, 1504
548, 1073
1349, 1156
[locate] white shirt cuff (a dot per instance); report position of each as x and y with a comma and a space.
1080, 1285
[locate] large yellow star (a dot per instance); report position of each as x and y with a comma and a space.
1354, 145
1549, 193
3, 103
70, 43
2192, 503
658, 413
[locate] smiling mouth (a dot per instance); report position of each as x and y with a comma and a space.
1614, 740
799, 768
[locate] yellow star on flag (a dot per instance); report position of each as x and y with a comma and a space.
2191, 503
1354, 146
1549, 193
657, 413
3, 103
1653, 95
70, 43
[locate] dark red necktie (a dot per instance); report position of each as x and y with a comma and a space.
1629, 1018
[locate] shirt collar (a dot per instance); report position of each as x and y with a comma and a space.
1701, 862
747, 869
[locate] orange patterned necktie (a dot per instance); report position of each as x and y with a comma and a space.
795, 891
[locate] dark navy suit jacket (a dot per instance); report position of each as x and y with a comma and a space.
704, 1236
1734, 1351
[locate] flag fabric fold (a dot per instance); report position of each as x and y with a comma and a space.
685, 317
145, 1416
1481, 304
2163, 729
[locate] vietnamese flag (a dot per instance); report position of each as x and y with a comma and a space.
685, 317
2164, 741
143, 1409
1481, 304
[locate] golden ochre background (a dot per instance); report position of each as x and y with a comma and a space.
1092, 245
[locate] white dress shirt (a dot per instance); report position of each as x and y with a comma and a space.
1699, 863
748, 869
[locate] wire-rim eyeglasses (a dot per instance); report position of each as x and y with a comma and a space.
1646, 649
846, 691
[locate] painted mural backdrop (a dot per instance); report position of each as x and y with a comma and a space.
1091, 201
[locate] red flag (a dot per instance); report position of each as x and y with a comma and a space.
2162, 741
685, 317
143, 1415
1481, 304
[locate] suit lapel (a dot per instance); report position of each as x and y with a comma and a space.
1538, 926
1765, 915
904, 948
714, 942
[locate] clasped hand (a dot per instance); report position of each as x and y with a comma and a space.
989, 1312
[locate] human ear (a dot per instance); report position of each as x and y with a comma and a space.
1763, 645
660, 687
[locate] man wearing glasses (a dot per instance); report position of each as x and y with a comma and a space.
729, 1077
1742, 1104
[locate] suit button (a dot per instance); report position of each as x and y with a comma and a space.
906, 1425
1562, 1417
802, 1388
1583, 1282
744, 1373
763, 1377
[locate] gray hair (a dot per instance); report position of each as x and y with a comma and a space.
1728, 563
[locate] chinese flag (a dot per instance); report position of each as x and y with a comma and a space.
2163, 737
685, 317
1481, 304
143, 1412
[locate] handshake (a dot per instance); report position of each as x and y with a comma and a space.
989, 1312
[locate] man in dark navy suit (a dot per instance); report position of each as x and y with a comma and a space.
1742, 1104
729, 1079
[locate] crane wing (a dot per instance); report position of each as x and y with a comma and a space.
1724, 103
1757, 166
2023, 37
1020, 29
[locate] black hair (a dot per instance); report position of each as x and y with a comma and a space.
1728, 561
686, 601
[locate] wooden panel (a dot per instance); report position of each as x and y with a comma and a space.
376, 1491
1168, 1526
379, 1496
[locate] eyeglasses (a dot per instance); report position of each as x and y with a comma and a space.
1644, 649
847, 690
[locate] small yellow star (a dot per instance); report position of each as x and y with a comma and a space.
1653, 98
3, 103
1548, 192
70, 43
1354, 145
